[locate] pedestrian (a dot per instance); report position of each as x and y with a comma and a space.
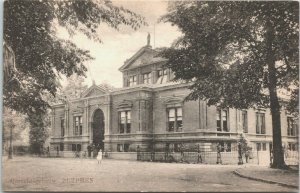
219, 158
57, 151
89, 149
199, 155
247, 154
138, 153
99, 157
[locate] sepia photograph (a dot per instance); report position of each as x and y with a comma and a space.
150, 96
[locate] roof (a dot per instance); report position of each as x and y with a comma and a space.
144, 56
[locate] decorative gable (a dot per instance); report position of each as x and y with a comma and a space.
94, 90
146, 55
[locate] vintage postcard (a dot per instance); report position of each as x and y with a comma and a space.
136, 95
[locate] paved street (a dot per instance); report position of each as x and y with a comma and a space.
69, 174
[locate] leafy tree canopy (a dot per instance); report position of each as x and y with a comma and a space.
225, 49
13, 120
238, 54
40, 56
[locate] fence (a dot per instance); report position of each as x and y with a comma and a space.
291, 157
195, 157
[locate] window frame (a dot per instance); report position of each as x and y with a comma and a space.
147, 78
245, 121
132, 81
78, 128
292, 126
226, 146
260, 122
126, 126
162, 76
220, 116
178, 119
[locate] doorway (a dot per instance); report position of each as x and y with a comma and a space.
98, 131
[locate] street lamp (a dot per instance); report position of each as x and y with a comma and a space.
10, 151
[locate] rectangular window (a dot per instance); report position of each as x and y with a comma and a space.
222, 117
73, 147
76, 147
125, 121
147, 78
172, 75
260, 123
132, 80
162, 76
62, 127
225, 146
175, 119
78, 125
218, 114
61, 147
264, 147
126, 147
128, 121
120, 147
258, 146
245, 121
292, 127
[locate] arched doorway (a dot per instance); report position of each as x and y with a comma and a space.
98, 130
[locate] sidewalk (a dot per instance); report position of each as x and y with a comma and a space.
287, 178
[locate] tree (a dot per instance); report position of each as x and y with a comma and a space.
40, 56
75, 86
38, 134
15, 121
237, 54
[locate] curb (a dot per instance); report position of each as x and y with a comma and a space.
264, 180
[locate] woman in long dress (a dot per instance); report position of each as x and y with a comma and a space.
99, 157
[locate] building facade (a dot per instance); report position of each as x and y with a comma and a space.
149, 114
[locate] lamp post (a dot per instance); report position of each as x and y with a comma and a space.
10, 150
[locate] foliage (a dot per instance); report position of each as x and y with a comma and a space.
224, 49
237, 54
41, 57
13, 120
38, 134
244, 144
75, 86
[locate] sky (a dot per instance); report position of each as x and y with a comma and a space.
120, 45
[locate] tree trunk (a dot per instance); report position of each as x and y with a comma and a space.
278, 159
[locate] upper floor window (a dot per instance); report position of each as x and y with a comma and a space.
162, 76
125, 121
62, 127
222, 116
245, 121
292, 127
147, 78
260, 123
175, 119
132, 80
78, 125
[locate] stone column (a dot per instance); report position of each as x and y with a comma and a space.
143, 118
86, 113
67, 120
53, 122
108, 118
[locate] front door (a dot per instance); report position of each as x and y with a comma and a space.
98, 131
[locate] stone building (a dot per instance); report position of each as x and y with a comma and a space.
149, 113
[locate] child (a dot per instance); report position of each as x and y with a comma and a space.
99, 157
